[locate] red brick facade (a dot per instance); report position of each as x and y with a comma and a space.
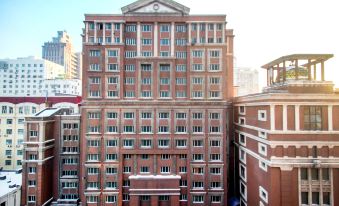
156, 109
287, 140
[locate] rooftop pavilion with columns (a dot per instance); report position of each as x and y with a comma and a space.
294, 71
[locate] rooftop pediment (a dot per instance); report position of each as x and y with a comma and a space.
149, 7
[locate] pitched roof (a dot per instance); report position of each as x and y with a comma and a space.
154, 7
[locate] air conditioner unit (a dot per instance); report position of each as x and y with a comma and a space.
9, 157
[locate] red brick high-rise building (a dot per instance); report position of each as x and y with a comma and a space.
287, 137
156, 111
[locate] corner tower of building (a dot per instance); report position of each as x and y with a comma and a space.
287, 136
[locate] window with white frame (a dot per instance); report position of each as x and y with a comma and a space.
215, 199
182, 169
198, 157
242, 155
31, 198
163, 143
198, 143
262, 148
215, 185
242, 110
146, 143
263, 194
165, 170
144, 169
242, 139
128, 143
215, 143
262, 165
111, 199
181, 143
197, 184
262, 115
243, 190
198, 198
243, 172
262, 134
197, 170
180, 129
242, 121
215, 170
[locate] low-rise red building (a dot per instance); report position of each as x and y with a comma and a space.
287, 137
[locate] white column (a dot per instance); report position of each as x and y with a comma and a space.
223, 32
206, 33
86, 31
198, 33
121, 33
272, 117
189, 33
297, 117
284, 117
155, 44
172, 39
215, 33
95, 32
112, 32
103, 33
138, 39
330, 117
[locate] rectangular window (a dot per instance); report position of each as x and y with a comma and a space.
146, 81
181, 68
312, 118
180, 28
112, 53
111, 143
128, 129
214, 67
131, 28
146, 143
128, 143
146, 41
197, 67
94, 67
181, 143
165, 67
131, 41
94, 53
164, 28
146, 115
146, 28
163, 143
197, 53
164, 42
165, 170
144, 169
214, 53
130, 68
112, 67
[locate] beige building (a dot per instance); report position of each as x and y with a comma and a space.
12, 114
60, 50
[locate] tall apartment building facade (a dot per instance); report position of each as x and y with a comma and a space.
12, 124
60, 50
287, 137
157, 86
24, 76
35, 77
51, 158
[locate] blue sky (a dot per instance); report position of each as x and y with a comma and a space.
264, 29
